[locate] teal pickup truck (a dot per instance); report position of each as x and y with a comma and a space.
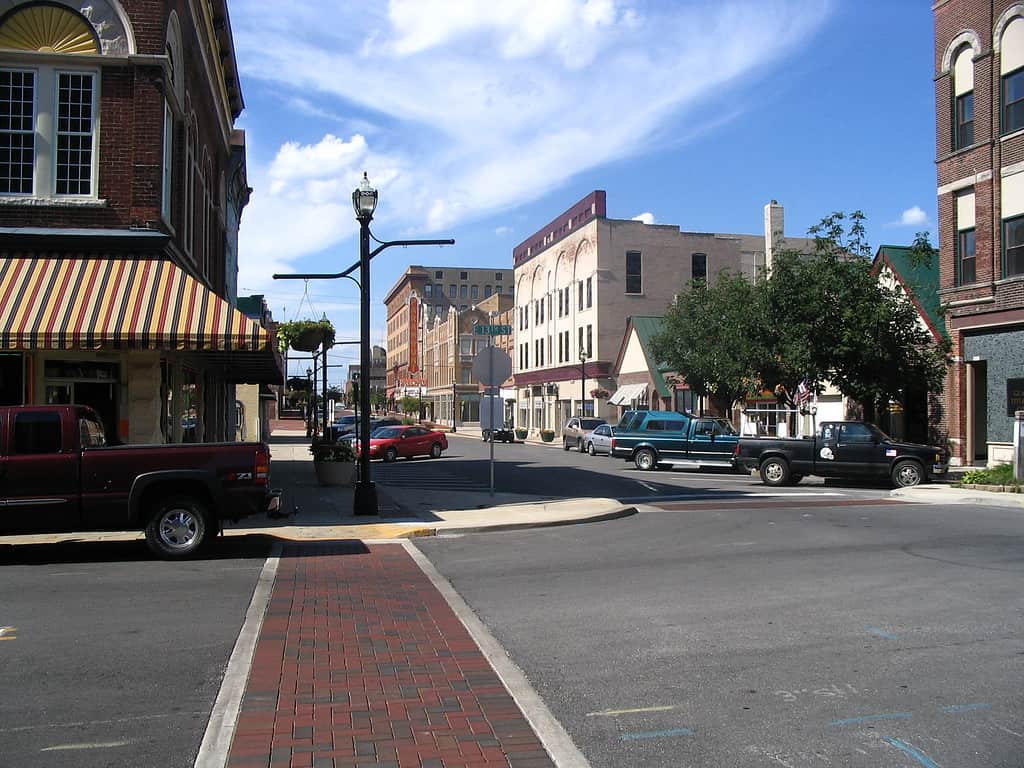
652, 439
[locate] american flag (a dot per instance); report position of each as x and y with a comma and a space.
803, 393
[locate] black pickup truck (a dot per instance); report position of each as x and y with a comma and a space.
840, 449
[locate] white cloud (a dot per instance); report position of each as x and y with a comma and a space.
502, 231
646, 217
914, 217
472, 107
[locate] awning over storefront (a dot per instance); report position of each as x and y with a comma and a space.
627, 393
117, 303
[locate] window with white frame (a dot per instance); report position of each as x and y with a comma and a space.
33, 161
965, 244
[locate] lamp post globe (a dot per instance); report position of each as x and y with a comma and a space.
364, 199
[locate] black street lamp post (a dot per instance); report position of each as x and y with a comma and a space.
364, 201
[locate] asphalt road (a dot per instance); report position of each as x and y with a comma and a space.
753, 635
112, 658
550, 472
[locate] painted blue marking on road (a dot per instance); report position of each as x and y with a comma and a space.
872, 718
883, 633
656, 734
953, 709
918, 755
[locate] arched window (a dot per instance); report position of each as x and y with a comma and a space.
1011, 70
963, 98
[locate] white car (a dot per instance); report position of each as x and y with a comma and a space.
600, 440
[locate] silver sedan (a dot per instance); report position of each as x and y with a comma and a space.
600, 440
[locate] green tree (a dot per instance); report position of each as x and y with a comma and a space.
378, 398
714, 336
409, 405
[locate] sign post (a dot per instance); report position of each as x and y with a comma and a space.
491, 367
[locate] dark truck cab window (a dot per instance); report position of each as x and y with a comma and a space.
36, 433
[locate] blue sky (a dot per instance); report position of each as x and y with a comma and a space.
482, 121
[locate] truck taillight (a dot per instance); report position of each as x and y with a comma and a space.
262, 471
736, 452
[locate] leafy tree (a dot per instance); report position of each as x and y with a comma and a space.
714, 335
815, 317
409, 404
378, 398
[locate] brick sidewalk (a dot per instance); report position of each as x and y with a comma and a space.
361, 662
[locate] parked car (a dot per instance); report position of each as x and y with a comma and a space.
57, 474
341, 427
352, 433
841, 449
652, 439
600, 440
389, 443
575, 431
503, 434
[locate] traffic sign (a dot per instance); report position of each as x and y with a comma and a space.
492, 366
492, 330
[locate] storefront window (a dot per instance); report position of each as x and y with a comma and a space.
12, 380
189, 406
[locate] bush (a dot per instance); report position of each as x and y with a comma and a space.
408, 420
329, 450
1001, 474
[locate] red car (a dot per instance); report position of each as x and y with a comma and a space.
388, 443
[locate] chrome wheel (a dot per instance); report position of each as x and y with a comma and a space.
774, 472
178, 528
590, 449
906, 474
644, 460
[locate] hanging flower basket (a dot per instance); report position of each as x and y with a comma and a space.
305, 335
600, 394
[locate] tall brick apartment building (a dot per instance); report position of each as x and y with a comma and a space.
979, 87
122, 181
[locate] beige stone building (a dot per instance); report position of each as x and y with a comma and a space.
578, 281
427, 294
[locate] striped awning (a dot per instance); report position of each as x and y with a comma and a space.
119, 303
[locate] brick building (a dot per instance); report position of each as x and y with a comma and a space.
578, 281
979, 90
122, 182
424, 295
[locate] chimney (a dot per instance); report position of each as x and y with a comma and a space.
773, 232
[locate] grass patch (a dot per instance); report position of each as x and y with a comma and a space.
1001, 474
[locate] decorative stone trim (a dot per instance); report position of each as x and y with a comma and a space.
1017, 9
53, 202
969, 37
967, 181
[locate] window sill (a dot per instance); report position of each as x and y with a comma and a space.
961, 151
53, 202
1010, 279
1013, 135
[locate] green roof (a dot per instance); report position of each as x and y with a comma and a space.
921, 279
646, 327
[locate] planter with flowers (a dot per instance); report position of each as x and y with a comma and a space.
547, 435
334, 462
305, 335
521, 434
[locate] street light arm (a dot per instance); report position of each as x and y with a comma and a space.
348, 272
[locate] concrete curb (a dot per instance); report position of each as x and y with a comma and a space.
497, 527
947, 495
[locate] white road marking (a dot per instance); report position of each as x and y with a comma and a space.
558, 743
637, 710
1012, 733
737, 544
8, 633
648, 486
220, 731
91, 723
87, 745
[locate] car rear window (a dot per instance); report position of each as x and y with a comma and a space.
591, 423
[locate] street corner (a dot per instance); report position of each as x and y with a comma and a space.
937, 493
356, 531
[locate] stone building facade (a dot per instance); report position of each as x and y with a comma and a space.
122, 181
979, 91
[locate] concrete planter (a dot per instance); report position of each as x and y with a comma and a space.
335, 472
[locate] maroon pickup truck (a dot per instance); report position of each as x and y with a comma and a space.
57, 473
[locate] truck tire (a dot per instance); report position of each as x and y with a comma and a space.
645, 460
179, 527
774, 471
907, 474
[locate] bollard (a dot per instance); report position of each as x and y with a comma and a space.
1018, 445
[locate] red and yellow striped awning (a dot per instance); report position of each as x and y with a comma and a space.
120, 303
